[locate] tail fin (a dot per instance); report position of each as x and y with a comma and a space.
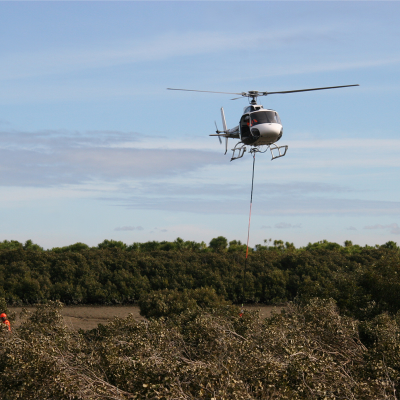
225, 128
223, 119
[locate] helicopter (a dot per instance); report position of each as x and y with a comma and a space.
257, 126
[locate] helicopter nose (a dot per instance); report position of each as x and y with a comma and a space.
270, 132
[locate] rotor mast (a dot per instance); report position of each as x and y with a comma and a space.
253, 94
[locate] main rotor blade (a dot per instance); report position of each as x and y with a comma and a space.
205, 91
307, 90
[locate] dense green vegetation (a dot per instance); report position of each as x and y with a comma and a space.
169, 303
364, 281
310, 352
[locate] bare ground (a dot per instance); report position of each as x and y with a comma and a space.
88, 317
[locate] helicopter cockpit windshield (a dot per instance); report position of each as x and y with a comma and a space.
265, 117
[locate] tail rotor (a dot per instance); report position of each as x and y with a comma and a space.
218, 132
226, 133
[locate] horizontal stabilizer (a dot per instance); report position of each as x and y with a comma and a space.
227, 135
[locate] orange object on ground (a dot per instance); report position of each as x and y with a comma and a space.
3, 317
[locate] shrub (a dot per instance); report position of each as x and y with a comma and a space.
167, 303
309, 352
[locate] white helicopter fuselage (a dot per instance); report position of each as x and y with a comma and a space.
257, 126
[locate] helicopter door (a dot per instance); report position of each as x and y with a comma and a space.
245, 126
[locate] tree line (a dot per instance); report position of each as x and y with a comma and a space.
364, 281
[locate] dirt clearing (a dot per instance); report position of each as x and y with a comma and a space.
88, 317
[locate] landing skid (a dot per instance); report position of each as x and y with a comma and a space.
276, 151
240, 149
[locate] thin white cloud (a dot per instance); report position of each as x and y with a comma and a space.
281, 205
51, 140
55, 158
168, 45
99, 164
129, 228
285, 225
160, 230
343, 153
349, 152
351, 228
33, 168
199, 189
331, 66
392, 228
348, 143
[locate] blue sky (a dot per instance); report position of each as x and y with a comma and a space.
93, 146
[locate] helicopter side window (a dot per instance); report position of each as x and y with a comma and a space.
249, 109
